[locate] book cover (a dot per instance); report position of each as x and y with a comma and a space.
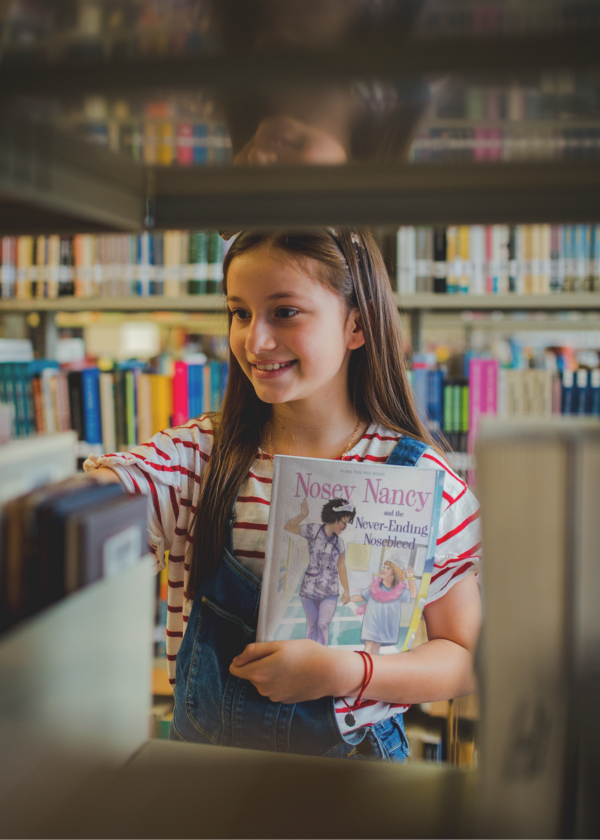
350, 552
104, 539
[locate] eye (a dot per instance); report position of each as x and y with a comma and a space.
240, 314
286, 312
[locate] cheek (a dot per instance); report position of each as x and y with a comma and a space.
236, 343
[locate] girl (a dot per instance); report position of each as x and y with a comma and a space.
326, 566
384, 597
316, 370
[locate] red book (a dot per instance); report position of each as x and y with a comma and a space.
185, 144
180, 394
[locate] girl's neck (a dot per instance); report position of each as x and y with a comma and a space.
314, 431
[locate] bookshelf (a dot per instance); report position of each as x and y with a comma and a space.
54, 183
428, 301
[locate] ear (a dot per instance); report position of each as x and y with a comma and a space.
354, 330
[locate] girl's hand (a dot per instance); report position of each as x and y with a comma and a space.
345, 597
294, 671
304, 508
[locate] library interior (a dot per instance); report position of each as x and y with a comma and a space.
440, 161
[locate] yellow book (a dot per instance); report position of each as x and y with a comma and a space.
53, 264
41, 262
464, 281
24, 265
451, 258
166, 144
162, 401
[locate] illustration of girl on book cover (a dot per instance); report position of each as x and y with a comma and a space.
326, 568
384, 597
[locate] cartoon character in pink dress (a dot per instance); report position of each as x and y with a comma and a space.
384, 598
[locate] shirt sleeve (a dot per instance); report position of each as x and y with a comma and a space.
342, 546
308, 531
365, 594
458, 551
167, 468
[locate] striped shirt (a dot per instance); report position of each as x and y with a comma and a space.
169, 469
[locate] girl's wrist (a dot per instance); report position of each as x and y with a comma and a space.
346, 671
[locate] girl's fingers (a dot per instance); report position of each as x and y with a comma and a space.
257, 650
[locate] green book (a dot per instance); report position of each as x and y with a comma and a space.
198, 259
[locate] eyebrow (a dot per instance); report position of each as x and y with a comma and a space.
274, 296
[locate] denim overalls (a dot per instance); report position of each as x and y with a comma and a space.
214, 707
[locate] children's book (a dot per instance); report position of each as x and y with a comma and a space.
350, 552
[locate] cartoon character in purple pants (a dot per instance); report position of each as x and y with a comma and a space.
320, 586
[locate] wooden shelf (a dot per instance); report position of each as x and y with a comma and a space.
454, 302
390, 55
215, 303
190, 303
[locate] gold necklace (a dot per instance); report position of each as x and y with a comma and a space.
270, 453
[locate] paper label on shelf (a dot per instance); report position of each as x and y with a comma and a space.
121, 551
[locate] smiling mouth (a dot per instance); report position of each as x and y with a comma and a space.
273, 366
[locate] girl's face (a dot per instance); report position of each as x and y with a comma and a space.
387, 575
290, 334
340, 525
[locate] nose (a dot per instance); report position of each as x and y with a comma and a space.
259, 337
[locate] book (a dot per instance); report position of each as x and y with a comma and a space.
104, 539
350, 552
537, 658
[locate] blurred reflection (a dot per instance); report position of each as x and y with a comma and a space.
326, 124
318, 124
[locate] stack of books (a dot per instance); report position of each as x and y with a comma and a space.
111, 410
62, 536
498, 259
169, 263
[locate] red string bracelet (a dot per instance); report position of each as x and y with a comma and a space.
367, 659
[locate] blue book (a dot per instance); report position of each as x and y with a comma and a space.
581, 394
90, 392
218, 383
200, 156
568, 387
196, 389
435, 398
595, 392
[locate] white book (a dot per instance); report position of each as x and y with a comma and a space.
477, 251
350, 552
107, 412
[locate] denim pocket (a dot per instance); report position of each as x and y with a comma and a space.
210, 692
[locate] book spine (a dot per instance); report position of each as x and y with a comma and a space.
181, 411
476, 397
92, 421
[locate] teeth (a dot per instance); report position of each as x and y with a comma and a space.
274, 366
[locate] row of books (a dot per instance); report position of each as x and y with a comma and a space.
498, 259
541, 96
454, 143
111, 410
453, 406
170, 263
461, 18
95, 31
160, 142
61, 537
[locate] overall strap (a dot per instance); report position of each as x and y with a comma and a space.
407, 452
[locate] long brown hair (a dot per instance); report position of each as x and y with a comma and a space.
350, 264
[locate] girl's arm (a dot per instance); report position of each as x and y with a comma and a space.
343, 573
357, 598
440, 669
293, 526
